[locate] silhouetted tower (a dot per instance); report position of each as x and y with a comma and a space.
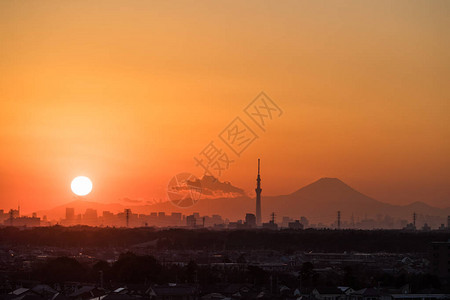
339, 219
127, 216
414, 219
11, 217
258, 198
272, 218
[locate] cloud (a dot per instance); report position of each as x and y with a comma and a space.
212, 187
128, 200
154, 201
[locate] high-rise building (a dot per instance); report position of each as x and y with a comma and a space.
25, 222
14, 213
176, 218
258, 198
295, 225
250, 220
191, 221
90, 216
304, 221
70, 213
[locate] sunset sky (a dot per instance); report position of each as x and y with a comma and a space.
129, 92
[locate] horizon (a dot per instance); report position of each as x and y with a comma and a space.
134, 202
132, 96
197, 149
323, 189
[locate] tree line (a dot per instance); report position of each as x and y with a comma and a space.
394, 241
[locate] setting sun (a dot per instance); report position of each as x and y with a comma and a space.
81, 185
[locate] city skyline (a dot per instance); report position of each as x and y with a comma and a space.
129, 99
226, 149
326, 203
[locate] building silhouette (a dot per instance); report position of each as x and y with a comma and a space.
295, 225
258, 198
70, 213
24, 222
191, 221
250, 220
90, 217
271, 225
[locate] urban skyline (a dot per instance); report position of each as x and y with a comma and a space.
365, 219
224, 150
120, 102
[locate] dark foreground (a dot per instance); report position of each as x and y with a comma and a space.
393, 241
145, 263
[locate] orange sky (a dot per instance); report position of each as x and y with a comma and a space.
128, 92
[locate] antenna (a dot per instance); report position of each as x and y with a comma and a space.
272, 216
258, 166
127, 216
11, 217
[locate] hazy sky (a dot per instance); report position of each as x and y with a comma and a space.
128, 92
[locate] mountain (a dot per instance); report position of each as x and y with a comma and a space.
331, 190
321, 200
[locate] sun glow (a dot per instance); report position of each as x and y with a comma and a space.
81, 185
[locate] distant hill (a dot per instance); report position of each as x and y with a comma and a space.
318, 201
321, 200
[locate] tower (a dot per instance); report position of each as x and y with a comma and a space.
414, 219
258, 198
127, 216
11, 217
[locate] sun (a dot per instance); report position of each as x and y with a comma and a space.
81, 185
